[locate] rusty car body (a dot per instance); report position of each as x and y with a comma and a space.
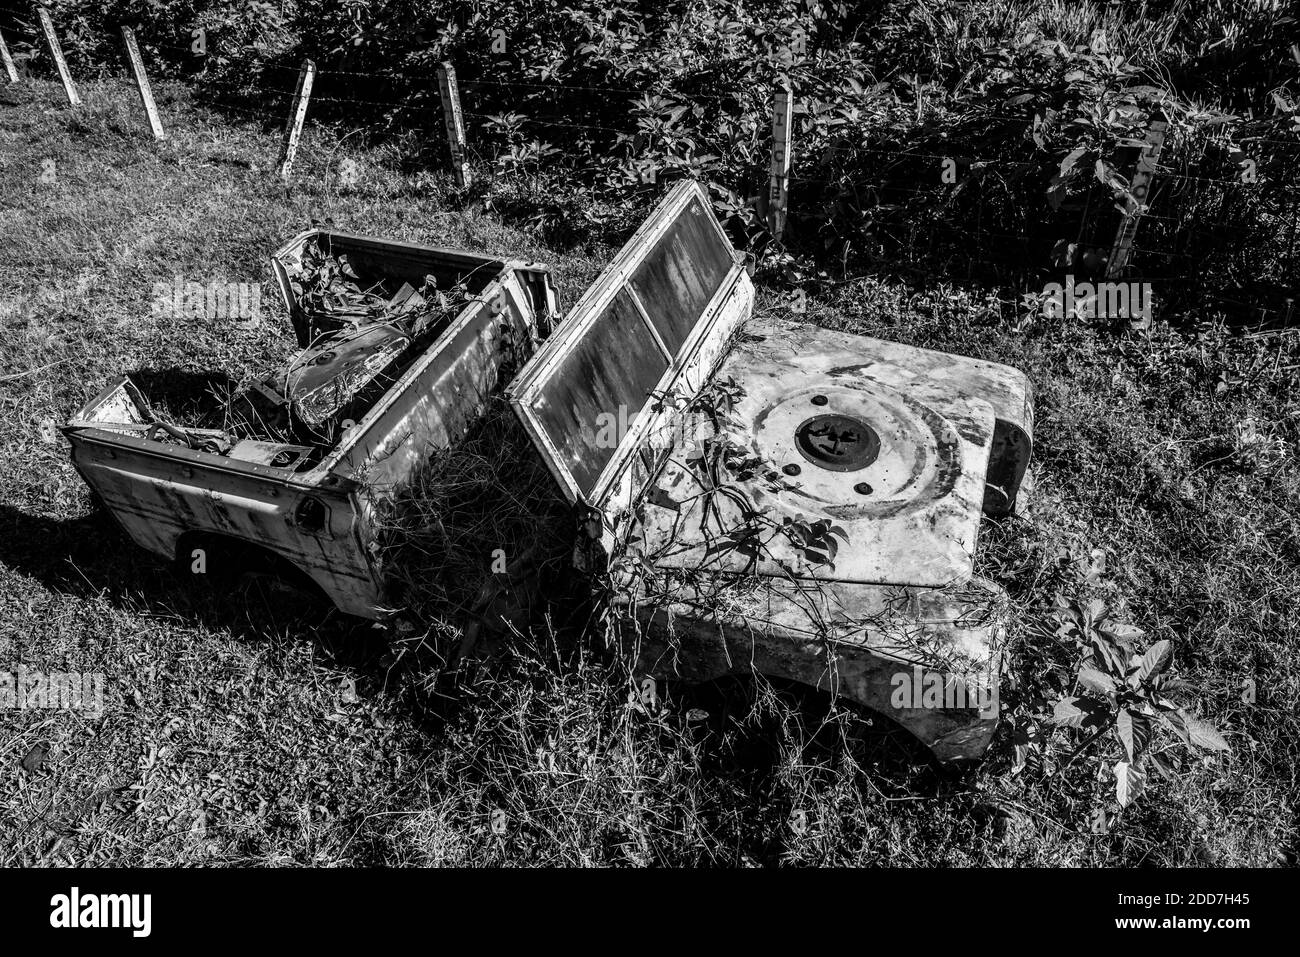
313, 508
783, 500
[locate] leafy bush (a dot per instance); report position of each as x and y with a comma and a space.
990, 140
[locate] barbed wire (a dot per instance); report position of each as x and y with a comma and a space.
902, 233
823, 153
629, 91
541, 122
557, 87
225, 105
407, 105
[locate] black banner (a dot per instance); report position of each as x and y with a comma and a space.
335, 907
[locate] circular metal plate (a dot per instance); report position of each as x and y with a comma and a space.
873, 450
840, 443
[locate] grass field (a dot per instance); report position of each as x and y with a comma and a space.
239, 729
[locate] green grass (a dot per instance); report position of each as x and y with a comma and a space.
239, 730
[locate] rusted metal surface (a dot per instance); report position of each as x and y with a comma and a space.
319, 516
898, 594
326, 379
788, 500
916, 519
858, 641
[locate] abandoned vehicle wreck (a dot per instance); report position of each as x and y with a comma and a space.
777, 498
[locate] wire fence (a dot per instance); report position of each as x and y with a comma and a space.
923, 209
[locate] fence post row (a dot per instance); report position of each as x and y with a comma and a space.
56, 51
454, 122
1140, 188
142, 83
293, 131
453, 118
779, 189
10, 69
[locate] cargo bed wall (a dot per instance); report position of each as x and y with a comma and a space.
376, 260
439, 397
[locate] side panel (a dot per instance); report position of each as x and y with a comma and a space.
158, 497
860, 641
445, 392
662, 429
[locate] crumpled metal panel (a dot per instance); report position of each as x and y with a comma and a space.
322, 381
442, 394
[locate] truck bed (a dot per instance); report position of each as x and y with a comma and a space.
315, 504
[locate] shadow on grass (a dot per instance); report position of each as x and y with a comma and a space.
745, 734
832, 730
90, 556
